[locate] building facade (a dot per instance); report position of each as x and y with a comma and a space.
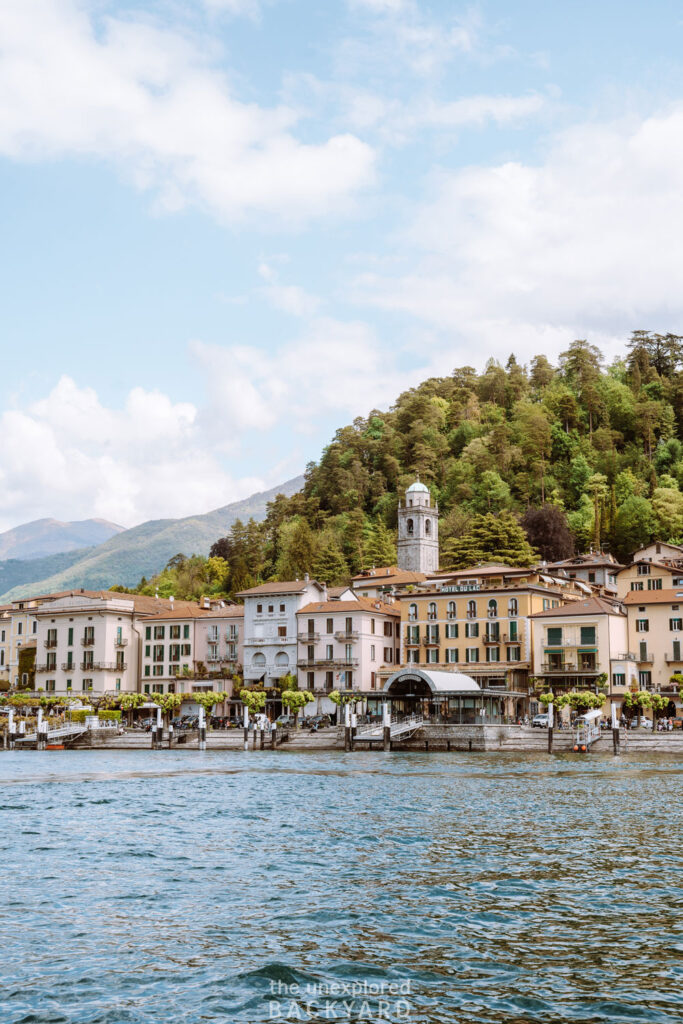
584, 646
597, 569
270, 627
343, 645
186, 649
418, 531
655, 630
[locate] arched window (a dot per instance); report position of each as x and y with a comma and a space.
281, 658
513, 607
412, 612
258, 659
471, 609
432, 610
428, 527
451, 609
411, 527
493, 609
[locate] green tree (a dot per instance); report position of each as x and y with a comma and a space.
634, 525
491, 538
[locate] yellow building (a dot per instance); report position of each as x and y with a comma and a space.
476, 621
647, 575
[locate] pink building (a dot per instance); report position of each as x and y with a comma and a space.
342, 645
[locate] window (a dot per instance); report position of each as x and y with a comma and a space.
159, 632
372, 626
451, 610
513, 607
493, 609
452, 655
348, 652
588, 636
68, 684
546, 604
118, 684
372, 652
433, 656
471, 654
452, 630
158, 652
329, 652
310, 680
643, 569
147, 670
148, 632
471, 609
259, 609
310, 652
410, 527
619, 679
412, 634
282, 608
147, 688
514, 653
329, 680
412, 612
637, 585
645, 680
271, 609
676, 625
387, 629
174, 632
493, 653
282, 631
591, 577
174, 652
51, 638
157, 670
554, 636
186, 631
311, 625
642, 625
654, 584
35, 625
513, 631
50, 685
349, 624
493, 631
412, 657
432, 610
428, 526
86, 685
471, 629
329, 628
158, 688
432, 634
70, 637
387, 655
20, 628
148, 650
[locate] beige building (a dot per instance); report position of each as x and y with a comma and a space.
647, 575
584, 646
478, 622
655, 629
384, 583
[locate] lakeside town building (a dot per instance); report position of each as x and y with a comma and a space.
655, 629
345, 644
584, 646
596, 568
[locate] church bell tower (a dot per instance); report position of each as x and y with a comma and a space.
418, 531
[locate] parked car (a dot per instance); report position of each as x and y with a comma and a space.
645, 723
286, 721
540, 721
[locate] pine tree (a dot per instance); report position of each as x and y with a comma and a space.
380, 547
330, 566
491, 538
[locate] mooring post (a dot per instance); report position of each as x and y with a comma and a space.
273, 736
10, 729
386, 725
202, 729
22, 728
354, 727
246, 727
550, 728
262, 730
40, 743
160, 729
170, 736
347, 727
615, 730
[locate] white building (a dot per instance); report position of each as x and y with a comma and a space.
270, 627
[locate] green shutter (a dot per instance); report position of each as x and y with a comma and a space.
587, 635
554, 636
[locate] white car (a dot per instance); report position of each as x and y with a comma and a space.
540, 721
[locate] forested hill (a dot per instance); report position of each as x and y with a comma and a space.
595, 447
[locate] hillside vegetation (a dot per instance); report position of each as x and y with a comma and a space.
522, 460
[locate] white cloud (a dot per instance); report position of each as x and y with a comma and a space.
68, 456
521, 257
334, 367
149, 99
290, 298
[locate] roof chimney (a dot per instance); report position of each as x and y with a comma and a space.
171, 599
306, 578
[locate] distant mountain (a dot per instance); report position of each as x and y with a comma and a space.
141, 551
50, 537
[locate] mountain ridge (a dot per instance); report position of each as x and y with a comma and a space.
43, 537
140, 551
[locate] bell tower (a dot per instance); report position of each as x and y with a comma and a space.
418, 531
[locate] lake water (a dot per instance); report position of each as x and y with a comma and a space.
179, 887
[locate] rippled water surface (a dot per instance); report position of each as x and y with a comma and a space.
187, 887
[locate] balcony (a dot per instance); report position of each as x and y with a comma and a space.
215, 659
309, 638
491, 638
645, 658
508, 638
571, 668
259, 641
670, 660
68, 666
341, 663
344, 636
50, 643
44, 668
411, 643
88, 641
121, 641
433, 642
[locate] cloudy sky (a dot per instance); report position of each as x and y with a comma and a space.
230, 226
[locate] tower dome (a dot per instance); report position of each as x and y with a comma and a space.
418, 486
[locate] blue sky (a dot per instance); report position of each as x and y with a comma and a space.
230, 226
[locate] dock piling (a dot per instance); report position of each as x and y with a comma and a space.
386, 723
550, 728
246, 727
615, 731
202, 729
347, 727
